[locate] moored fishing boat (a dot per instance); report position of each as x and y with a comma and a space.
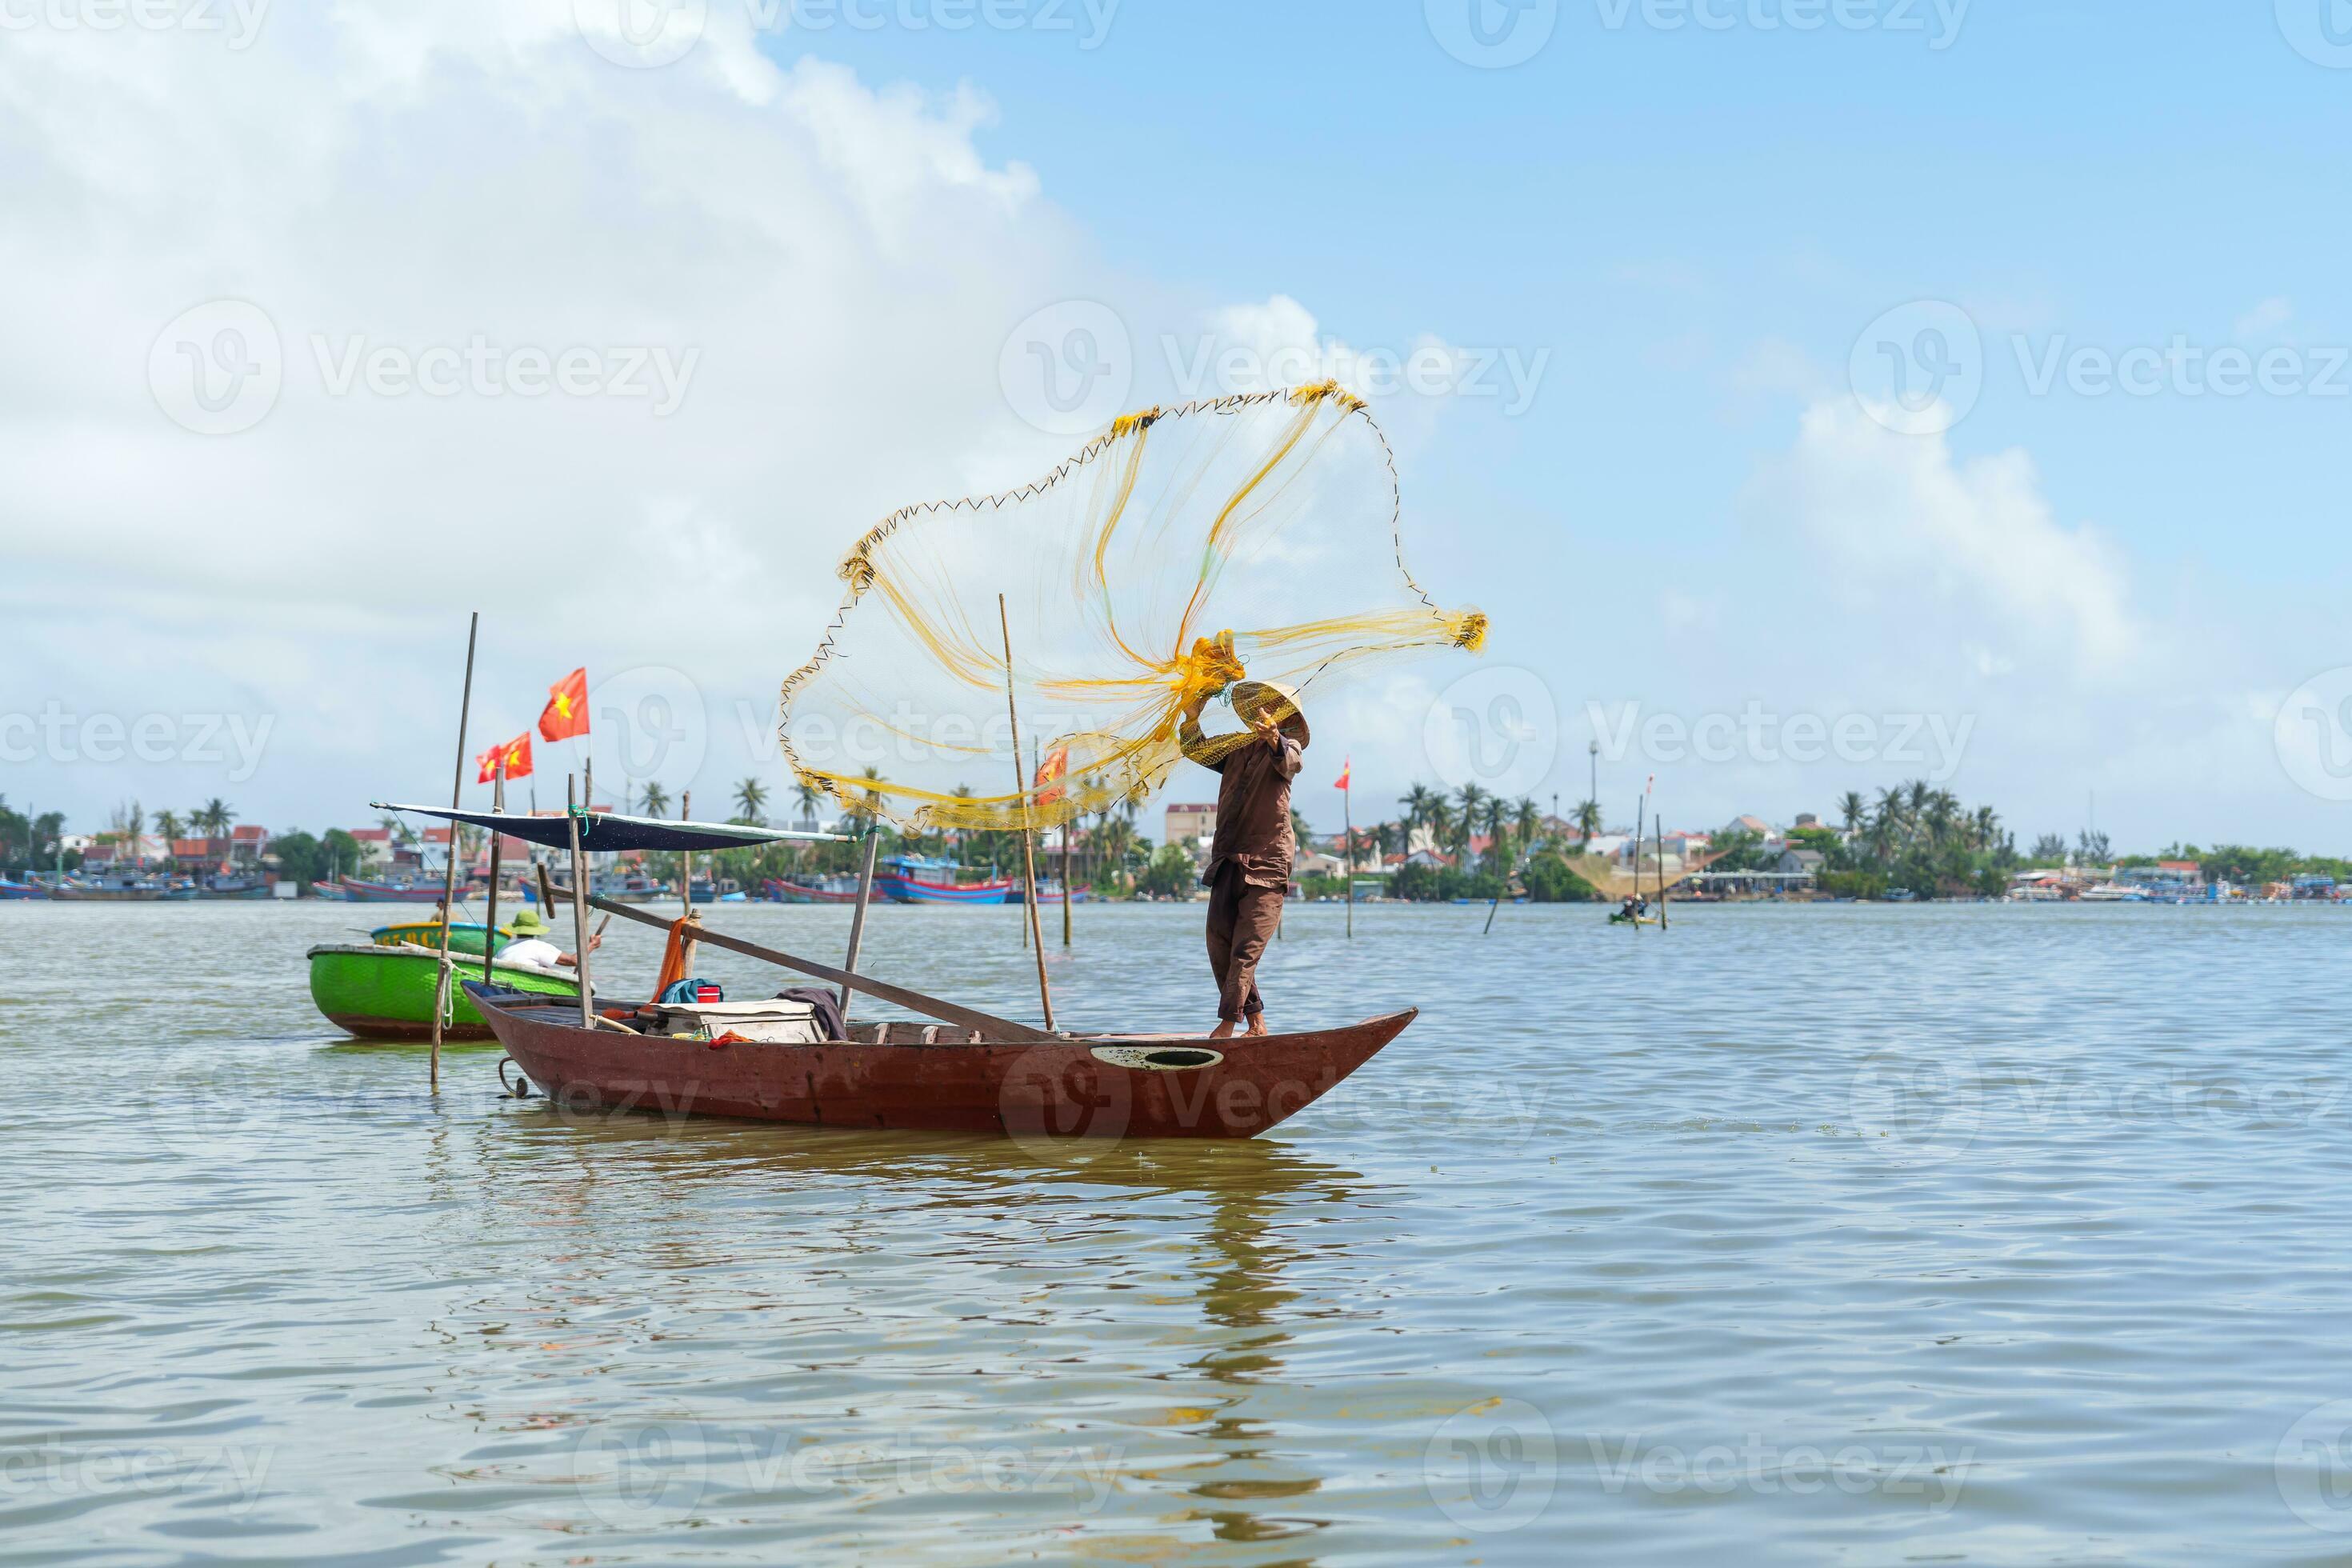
360, 891
386, 992
919, 879
9, 889
925, 1077
810, 890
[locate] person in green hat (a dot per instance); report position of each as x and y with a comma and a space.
530, 944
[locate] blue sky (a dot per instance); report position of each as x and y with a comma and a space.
1689, 228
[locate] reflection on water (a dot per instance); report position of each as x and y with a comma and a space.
1873, 1234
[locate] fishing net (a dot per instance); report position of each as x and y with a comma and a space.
1179, 550
1614, 879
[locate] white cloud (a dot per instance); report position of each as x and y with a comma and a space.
2264, 320
1901, 521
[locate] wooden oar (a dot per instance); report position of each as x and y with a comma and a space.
913, 1000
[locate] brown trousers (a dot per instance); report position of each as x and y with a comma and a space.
1241, 921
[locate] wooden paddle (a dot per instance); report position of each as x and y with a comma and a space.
913, 1000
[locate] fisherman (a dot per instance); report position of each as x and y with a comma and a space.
531, 945
1249, 859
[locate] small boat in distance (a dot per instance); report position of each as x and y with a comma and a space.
360, 891
921, 879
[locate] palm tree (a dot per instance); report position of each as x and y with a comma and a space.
168, 827
750, 796
1470, 800
1986, 824
1497, 810
805, 795
1588, 821
655, 800
215, 817
1917, 794
1528, 819
1852, 808
1437, 816
1417, 801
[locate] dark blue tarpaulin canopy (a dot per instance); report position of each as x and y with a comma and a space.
606, 831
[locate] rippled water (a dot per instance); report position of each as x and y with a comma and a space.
1791, 1234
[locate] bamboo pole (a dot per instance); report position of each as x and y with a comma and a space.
1347, 845
685, 857
857, 918
449, 881
1028, 839
490, 919
1069, 895
579, 907
1641, 809
1660, 825
990, 1026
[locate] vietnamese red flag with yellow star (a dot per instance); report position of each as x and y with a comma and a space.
566, 713
1050, 774
515, 754
1345, 767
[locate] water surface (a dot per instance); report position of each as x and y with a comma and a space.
1849, 1234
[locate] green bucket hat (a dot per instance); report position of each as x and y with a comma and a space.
527, 923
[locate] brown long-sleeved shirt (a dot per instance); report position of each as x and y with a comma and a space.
1252, 802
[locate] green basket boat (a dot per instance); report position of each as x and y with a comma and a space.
385, 993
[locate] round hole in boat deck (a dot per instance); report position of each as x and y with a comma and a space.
1159, 1059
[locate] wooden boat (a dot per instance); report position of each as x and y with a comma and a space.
386, 993
935, 1077
9, 889
364, 893
915, 879
834, 891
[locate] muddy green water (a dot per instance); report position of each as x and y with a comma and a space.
1870, 1235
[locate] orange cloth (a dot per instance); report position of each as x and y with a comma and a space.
673, 968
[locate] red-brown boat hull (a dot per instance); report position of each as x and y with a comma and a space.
1062, 1089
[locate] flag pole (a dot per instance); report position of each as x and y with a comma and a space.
1028, 840
579, 905
450, 877
490, 919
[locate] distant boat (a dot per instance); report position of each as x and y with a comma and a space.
919, 880
218, 886
9, 889
359, 891
811, 890
124, 887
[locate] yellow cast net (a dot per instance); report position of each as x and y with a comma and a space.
1182, 549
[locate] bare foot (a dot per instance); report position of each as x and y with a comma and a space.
1223, 1031
1257, 1025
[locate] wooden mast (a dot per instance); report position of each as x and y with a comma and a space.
449, 881
490, 919
579, 906
1028, 841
